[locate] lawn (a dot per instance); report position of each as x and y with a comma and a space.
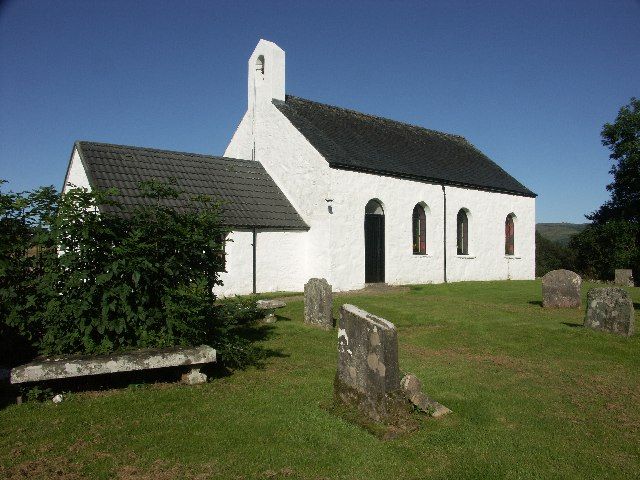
533, 394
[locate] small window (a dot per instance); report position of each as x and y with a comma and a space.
419, 230
509, 233
260, 65
463, 232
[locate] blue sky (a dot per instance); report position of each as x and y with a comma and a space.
530, 83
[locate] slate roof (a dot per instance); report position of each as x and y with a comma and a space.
250, 198
356, 141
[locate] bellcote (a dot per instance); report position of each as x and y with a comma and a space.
266, 74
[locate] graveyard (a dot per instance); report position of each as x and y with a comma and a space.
533, 394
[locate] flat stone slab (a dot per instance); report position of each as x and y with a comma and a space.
561, 289
611, 310
318, 303
57, 367
624, 277
270, 304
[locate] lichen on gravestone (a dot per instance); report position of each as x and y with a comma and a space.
611, 310
561, 289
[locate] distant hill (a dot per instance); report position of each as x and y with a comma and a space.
559, 232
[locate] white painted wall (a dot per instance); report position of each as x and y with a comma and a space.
334, 246
277, 254
76, 174
488, 211
486, 259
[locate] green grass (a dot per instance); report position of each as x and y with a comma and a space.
534, 396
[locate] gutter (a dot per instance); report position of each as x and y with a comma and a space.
255, 239
444, 240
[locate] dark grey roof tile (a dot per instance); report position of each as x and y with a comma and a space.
249, 196
357, 141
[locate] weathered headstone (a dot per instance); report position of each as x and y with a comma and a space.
368, 376
624, 277
611, 310
318, 303
561, 289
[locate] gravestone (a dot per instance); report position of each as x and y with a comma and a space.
624, 277
368, 376
318, 303
561, 289
610, 310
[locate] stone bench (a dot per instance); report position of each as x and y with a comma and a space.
270, 306
69, 366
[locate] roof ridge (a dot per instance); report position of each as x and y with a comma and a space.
160, 150
377, 117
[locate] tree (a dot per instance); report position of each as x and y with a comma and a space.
612, 240
601, 248
24, 244
551, 255
622, 137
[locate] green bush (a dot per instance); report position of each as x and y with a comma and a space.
552, 255
84, 281
24, 243
601, 248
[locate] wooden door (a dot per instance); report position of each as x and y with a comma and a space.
373, 248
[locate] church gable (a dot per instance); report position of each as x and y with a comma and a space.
356, 141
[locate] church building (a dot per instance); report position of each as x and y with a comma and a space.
313, 190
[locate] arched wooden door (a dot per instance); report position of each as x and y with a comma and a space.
374, 242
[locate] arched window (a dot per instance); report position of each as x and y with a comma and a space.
419, 230
260, 64
374, 207
463, 232
509, 233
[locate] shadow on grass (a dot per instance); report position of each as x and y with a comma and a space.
573, 325
536, 302
636, 305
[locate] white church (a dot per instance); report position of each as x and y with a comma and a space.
313, 190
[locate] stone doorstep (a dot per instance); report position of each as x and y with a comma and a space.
60, 367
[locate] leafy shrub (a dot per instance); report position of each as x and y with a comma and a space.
552, 255
24, 244
100, 282
601, 248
